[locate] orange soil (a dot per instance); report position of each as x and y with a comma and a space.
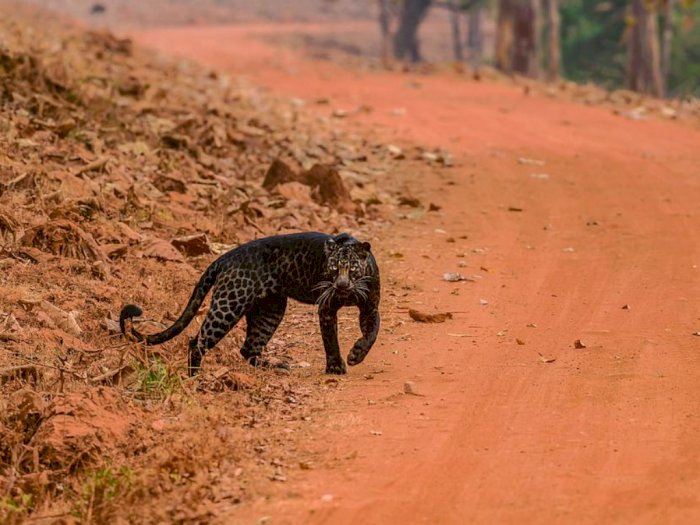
607, 433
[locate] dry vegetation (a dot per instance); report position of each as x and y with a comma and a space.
121, 177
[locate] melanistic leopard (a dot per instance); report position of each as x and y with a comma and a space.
256, 279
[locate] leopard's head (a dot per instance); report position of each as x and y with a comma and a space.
348, 270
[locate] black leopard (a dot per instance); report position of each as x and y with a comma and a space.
256, 279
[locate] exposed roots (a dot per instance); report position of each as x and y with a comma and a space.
65, 238
10, 229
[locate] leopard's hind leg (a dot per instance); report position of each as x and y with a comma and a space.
262, 321
225, 311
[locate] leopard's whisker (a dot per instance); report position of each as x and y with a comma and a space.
359, 294
321, 285
326, 296
362, 287
364, 280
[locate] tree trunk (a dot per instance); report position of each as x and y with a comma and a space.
406, 38
455, 19
475, 40
553, 39
504, 36
384, 17
666, 41
643, 57
517, 49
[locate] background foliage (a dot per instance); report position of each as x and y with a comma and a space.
593, 46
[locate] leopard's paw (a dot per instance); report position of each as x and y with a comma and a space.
337, 368
357, 353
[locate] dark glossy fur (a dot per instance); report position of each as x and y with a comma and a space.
258, 277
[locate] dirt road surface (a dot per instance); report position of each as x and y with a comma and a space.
597, 240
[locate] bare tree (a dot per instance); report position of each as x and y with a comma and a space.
643, 58
504, 36
406, 38
455, 21
385, 28
553, 39
666, 39
475, 39
517, 37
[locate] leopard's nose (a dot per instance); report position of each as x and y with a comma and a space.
342, 283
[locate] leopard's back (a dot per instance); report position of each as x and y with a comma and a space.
290, 265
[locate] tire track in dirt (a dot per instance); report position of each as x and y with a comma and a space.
606, 433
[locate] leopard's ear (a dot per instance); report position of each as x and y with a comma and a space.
330, 246
363, 249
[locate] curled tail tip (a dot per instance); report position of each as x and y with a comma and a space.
129, 311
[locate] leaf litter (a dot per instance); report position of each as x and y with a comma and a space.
122, 175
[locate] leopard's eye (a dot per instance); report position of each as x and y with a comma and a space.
354, 267
333, 267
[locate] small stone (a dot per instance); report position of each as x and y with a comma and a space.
327, 498
409, 387
395, 151
579, 344
279, 477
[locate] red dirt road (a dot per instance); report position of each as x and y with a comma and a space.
608, 433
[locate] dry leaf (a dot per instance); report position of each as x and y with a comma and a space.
193, 245
412, 202
64, 320
161, 249
429, 318
295, 191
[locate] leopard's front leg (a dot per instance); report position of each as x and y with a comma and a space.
369, 324
328, 317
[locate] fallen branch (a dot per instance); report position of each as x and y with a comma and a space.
110, 375
92, 166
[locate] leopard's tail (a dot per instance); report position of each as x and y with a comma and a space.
198, 294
